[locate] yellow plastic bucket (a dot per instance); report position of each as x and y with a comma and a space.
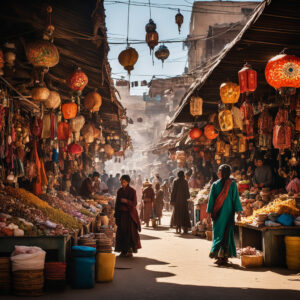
292, 244
105, 267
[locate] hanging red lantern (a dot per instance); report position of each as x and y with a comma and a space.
210, 132
69, 110
152, 39
77, 80
162, 53
75, 149
283, 71
128, 58
247, 79
196, 149
195, 133
42, 54
179, 20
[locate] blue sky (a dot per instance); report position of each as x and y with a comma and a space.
116, 21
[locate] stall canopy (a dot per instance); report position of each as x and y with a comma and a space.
273, 27
79, 35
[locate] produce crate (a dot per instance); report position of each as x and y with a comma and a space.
252, 261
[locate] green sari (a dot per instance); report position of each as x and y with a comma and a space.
223, 231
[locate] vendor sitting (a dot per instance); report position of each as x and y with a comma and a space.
99, 186
262, 174
294, 183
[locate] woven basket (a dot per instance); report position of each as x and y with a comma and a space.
252, 261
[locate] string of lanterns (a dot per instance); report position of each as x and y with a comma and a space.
129, 57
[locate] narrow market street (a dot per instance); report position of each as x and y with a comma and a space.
176, 266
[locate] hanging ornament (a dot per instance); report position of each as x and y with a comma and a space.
179, 20
75, 149
152, 40
229, 92
195, 133
247, 79
10, 54
93, 101
196, 104
128, 58
69, 110
77, 80
210, 132
40, 93
283, 71
162, 53
150, 27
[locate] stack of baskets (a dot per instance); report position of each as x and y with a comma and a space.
5, 277
55, 275
28, 283
87, 240
292, 244
104, 244
109, 232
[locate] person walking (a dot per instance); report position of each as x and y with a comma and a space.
179, 196
158, 203
148, 199
223, 203
166, 189
127, 220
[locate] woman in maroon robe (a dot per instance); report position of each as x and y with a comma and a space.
127, 220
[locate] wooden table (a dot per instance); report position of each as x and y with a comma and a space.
268, 239
61, 244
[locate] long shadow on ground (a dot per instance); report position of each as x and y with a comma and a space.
133, 281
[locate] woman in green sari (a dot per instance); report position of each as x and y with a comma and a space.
224, 202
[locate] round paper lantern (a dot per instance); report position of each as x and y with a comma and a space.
195, 133
109, 150
93, 101
162, 53
196, 104
69, 110
75, 149
283, 71
42, 54
53, 100
128, 58
152, 39
40, 93
229, 92
179, 20
77, 80
63, 131
247, 79
210, 132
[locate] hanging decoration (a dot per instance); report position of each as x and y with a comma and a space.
248, 119
69, 110
229, 92
196, 104
151, 33
247, 79
210, 132
93, 101
179, 20
128, 57
40, 93
162, 53
195, 133
75, 149
77, 80
225, 120
283, 71
53, 101
63, 131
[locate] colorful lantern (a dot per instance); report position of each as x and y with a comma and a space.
40, 93
77, 80
196, 104
63, 131
283, 71
151, 26
128, 58
225, 120
179, 20
229, 92
152, 39
69, 110
247, 79
42, 54
75, 149
210, 132
93, 101
195, 133
162, 53
53, 100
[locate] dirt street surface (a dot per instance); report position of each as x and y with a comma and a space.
172, 266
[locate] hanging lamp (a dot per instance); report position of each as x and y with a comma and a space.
162, 53
179, 20
151, 33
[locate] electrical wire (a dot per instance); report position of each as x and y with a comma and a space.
128, 22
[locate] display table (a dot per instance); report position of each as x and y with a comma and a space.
268, 239
57, 243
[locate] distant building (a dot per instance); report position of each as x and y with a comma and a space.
213, 24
